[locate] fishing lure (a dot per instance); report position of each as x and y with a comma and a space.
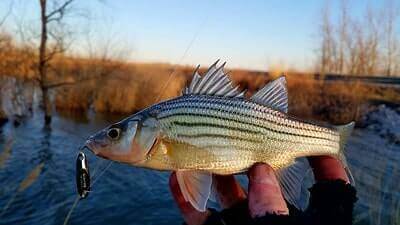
82, 176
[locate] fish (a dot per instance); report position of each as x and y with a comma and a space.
212, 128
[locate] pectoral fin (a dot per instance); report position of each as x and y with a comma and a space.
195, 187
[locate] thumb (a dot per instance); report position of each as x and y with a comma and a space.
265, 195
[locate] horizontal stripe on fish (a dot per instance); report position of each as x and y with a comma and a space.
241, 126
204, 140
233, 105
256, 112
199, 110
219, 126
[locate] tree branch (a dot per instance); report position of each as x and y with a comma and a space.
60, 10
86, 79
3, 20
68, 83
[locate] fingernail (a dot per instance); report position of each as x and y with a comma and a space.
262, 174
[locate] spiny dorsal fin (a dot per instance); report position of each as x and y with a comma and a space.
215, 82
273, 95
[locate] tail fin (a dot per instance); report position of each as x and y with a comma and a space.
344, 132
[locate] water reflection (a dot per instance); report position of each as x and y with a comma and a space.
39, 166
6, 153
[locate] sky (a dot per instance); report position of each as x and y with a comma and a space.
247, 34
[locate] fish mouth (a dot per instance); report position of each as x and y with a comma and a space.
91, 146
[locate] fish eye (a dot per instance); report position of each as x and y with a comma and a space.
113, 133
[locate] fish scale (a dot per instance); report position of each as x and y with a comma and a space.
249, 109
232, 132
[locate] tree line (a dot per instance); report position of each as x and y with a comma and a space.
369, 45
42, 56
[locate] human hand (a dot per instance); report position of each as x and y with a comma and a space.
264, 192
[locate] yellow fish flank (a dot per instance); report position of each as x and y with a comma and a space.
213, 129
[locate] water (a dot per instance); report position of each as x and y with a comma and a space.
123, 195
128, 195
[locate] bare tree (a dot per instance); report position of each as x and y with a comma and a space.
103, 57
343, 32
102, 63
327, 42
55, 15
391, 12
4, 37
6, 15
366, 46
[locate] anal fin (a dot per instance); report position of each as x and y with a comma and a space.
291, 180
195, 187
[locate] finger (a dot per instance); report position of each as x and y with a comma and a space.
190, 214
265, 195
327, 168
229, 191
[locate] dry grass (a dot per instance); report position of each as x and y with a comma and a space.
129, 90
124, 88
137, 86
337, 102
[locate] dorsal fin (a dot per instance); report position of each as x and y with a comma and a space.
273, 95
215, 82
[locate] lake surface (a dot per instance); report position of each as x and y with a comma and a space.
128, 195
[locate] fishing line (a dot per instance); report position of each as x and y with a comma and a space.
96, 169
181, 59
157, 99
102, 172
72, 209
94, 178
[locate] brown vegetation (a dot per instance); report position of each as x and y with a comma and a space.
139, 85
133, 88
124, 88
